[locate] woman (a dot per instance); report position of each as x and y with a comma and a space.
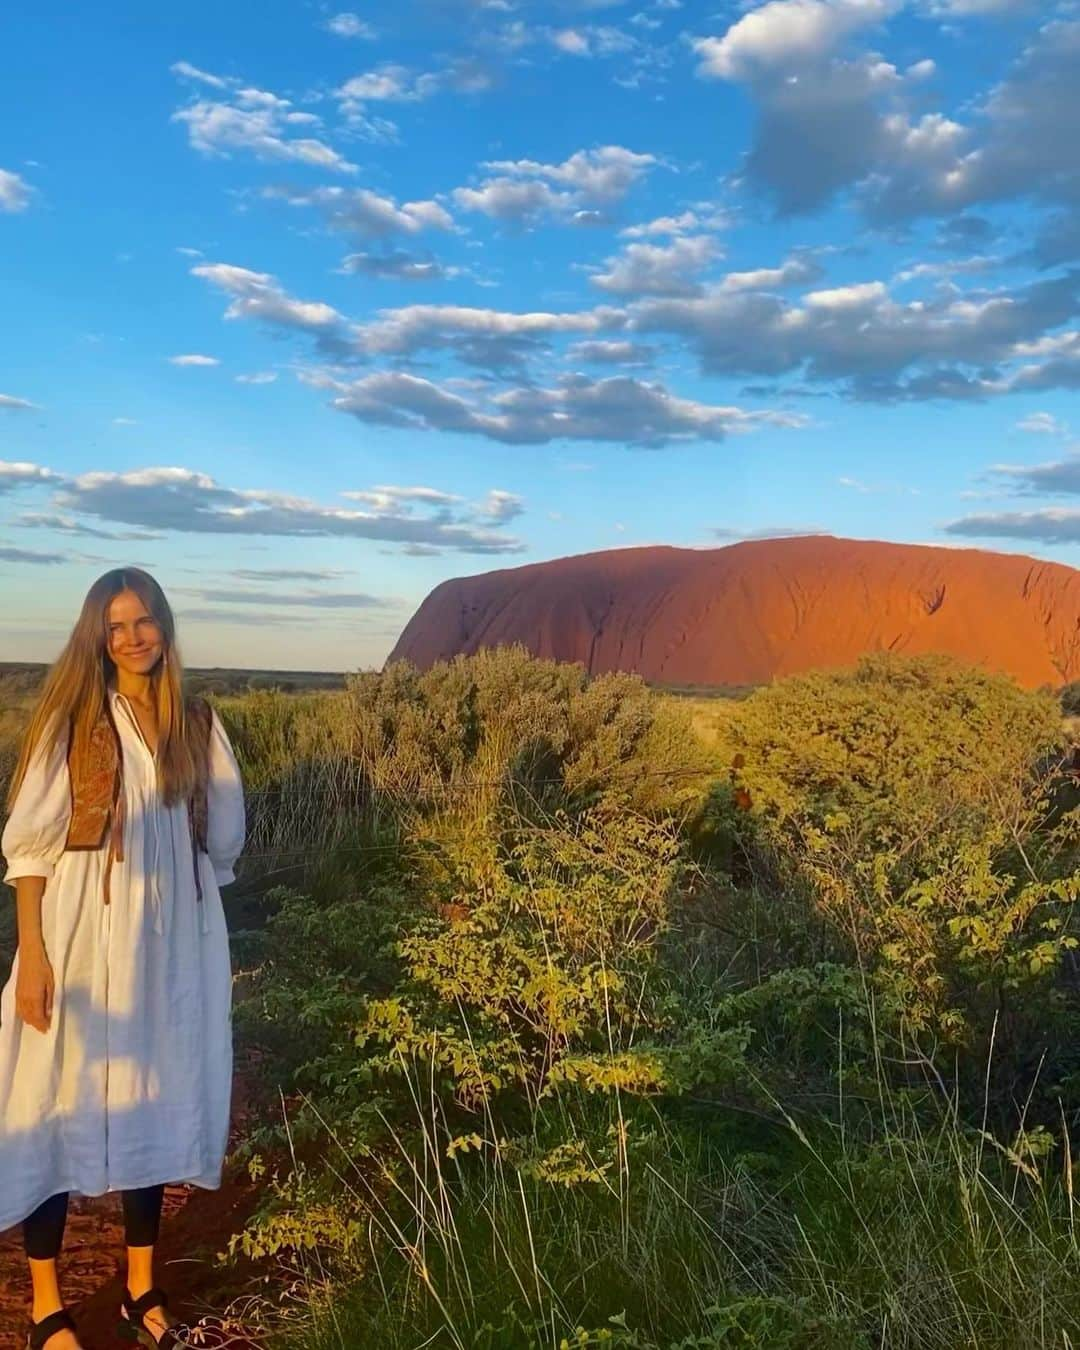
126, 813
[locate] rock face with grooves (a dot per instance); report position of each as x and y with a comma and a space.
751, 611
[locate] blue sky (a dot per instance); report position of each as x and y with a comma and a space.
309, 308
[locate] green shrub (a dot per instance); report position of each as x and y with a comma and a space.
468, 731
910, 796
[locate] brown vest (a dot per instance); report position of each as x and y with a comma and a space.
97, 801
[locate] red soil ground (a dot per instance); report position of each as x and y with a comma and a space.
196, 1224
764, 608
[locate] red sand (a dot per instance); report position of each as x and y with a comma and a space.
751, 611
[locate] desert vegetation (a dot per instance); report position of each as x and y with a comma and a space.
582, 1014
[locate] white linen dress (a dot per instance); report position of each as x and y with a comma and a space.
130, 1085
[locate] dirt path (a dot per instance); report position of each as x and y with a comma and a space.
196, 1225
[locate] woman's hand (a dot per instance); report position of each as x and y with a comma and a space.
34, 986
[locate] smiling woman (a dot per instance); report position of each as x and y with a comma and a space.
126, 815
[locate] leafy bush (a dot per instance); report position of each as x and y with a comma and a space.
468, 731
549, 976
1070, 699
910, 798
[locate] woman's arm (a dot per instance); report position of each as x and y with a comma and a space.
33, 843
226, 824
34, 982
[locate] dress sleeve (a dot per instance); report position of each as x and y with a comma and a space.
36, 830
226, 820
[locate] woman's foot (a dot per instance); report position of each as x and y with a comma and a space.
156, 1320
63, 1338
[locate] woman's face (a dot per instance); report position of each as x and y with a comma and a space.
135, 641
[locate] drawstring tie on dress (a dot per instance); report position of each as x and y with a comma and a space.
204, 926
116, 836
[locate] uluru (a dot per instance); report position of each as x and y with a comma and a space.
751, 611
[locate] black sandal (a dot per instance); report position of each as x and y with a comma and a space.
133, 1322
39, 1332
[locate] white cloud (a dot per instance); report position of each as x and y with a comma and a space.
499, 506
948, 268
15, 192
13, 404
951, 346
687, 222
367, 214
394, 83
396, 265
823, 126
414, 328
186, 71
42, 520
124, 422
257, 295
308, 599
1016, 145
259, 377
387, 84
253, 121
613, 353
1058, 345
514, 201
485, 338
866, 294
189, 502
796, 270
287, 573
18, 473
787, 33
733, 535
572, 42
619, 409
593, 40
389, 498
955, 9
1053, 525
1057, 477
1043, 424
658, 269
349, 25
602, 175
858, 485
194, 359
524, 189
830, 119
220, 128
27, 555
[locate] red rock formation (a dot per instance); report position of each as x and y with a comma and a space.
751, 611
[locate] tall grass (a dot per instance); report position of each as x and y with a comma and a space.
707, 1232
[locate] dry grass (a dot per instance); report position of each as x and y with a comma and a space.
708, 716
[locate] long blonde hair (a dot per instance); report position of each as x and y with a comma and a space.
74, 695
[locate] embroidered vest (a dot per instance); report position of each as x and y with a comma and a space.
95, 767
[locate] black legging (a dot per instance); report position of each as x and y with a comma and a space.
43, 1231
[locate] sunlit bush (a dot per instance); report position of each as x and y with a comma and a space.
911, 798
